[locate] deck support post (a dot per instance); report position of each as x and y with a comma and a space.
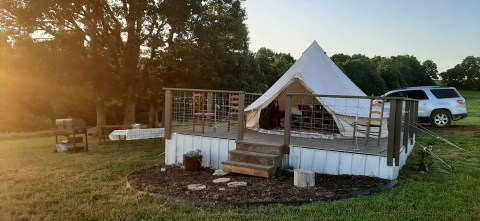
168, 114
406, 126
241, 117
411, 120
394, 132
397, 131
287, 124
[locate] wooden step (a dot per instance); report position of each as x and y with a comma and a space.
249, 168
255, 158
260, 148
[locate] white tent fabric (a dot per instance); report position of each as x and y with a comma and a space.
318, 75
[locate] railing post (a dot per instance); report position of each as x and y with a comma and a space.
391, 132
406, 126
288, 121
398, 131
394, 132
415, 112
241, 117
411, 119
168, 114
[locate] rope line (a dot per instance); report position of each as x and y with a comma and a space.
438, 137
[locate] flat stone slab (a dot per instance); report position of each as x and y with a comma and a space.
220, 173
221, 180
163, 169
196, 187
236, 184
303, 178
221, 189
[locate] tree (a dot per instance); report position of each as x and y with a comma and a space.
465, 75
272, 65
412, 71
430, 69
454, 77
389, 71
113, 32
214, 53
340, 59
361, 71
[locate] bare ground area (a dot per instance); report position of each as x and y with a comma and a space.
467, 130
174, 181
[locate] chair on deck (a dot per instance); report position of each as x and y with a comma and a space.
375, 120
202, 113
233, 107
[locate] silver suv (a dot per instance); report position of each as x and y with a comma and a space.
437, 105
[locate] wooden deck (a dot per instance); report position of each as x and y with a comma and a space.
340, 145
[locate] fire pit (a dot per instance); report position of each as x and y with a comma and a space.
67, 130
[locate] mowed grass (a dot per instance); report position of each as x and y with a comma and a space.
37, 184
473, 108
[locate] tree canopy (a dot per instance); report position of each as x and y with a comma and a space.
380, 74
465, 75
130, 49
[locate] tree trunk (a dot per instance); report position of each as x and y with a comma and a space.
129, 115
152, 116
101, 117
160, 119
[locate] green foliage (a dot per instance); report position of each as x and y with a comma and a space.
214, 53
430, 69
116, 53
362, 71
380, 74
193, 153
272, 65
464, 76
425, 161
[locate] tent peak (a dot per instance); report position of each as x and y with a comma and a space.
315, 47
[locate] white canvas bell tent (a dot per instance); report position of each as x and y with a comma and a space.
315, 73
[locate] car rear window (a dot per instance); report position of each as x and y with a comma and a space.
445, 93
417, 94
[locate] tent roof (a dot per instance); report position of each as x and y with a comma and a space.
317, 72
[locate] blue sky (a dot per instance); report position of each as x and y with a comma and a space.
445, 31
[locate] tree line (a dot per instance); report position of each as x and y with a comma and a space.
67, 58
107, 60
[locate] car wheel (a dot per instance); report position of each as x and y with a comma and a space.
440, 118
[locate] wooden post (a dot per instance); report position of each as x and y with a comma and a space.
415, 116
397, 131
287, 124
406, 125
391, 132
411, 120
168, 114
241, 117
86, 139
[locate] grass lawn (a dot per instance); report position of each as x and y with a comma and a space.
473, 108
36, 183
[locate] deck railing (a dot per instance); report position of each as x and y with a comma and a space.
211, 111
311, 117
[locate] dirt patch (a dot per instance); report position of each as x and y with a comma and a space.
467, 130
174, 181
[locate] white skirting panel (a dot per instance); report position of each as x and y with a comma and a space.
214, 150
339, 163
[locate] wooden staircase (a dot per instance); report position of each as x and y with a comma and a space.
254, 159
